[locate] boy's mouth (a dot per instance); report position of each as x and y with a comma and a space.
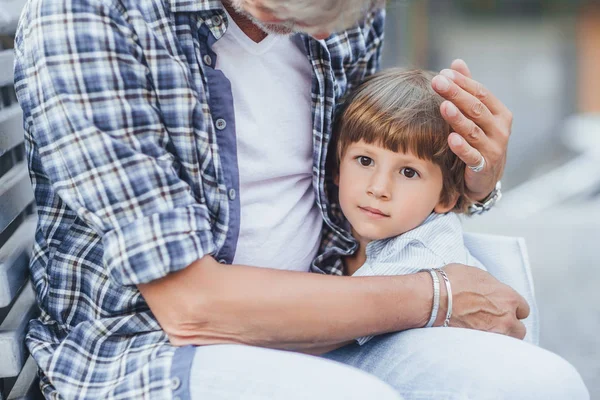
373, 212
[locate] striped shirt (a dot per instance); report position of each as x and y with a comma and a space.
437, 242
135, 174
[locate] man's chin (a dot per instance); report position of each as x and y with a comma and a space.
275, 29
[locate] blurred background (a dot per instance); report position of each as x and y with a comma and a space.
542, 59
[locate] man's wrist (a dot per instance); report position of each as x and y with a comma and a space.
479, 207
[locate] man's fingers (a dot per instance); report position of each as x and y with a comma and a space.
464, 150
522, 312
461, 66
523, 309
478, 91
518, 331
464, 126
469, 105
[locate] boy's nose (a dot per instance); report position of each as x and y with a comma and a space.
379, 187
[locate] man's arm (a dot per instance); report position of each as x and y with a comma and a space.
210, 303
101, 139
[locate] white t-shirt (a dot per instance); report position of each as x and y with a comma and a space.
271, 83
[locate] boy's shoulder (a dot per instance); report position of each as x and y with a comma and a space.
441, 235
437, 227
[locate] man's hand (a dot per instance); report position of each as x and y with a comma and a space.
481, 302
482, 126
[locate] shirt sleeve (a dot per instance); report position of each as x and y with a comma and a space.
370, 41
402, 257
91, 115
374, 34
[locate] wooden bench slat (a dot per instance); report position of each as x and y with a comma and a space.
7, 59
27, 386
14, 260
11, 127
12, 332
15, 194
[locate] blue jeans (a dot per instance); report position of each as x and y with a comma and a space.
434, 363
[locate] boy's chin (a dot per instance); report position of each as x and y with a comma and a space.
370, 235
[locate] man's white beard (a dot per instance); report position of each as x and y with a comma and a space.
284, 29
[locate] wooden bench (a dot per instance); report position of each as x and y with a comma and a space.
18, 371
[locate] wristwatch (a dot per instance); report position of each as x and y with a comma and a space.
486, 204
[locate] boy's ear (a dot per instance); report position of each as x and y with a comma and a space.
443, 208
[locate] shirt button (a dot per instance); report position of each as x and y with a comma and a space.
207, 60
175, 383
216, 20
221, 124
231, 194
223, 261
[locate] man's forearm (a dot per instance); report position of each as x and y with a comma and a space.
209, 303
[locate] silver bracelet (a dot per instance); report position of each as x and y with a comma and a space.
436, 297
449, 290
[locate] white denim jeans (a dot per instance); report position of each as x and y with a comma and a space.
435, 363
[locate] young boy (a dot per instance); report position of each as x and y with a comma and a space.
400, 185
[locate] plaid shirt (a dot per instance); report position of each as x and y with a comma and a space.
131, 177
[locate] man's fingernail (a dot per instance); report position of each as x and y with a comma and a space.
451, 110
441, 82
448, 73
456, 140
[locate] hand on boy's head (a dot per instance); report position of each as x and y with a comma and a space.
482, 126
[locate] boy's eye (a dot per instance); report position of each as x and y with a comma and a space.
365, 161
409, 172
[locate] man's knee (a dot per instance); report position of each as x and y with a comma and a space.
521, 371
352, 383
464, 364
518, 370
553, 378
365, 386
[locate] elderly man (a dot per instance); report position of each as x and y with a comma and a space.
176, 145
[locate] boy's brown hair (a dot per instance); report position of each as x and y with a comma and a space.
398, 110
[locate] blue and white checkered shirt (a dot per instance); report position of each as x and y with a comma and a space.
437, 242
131, 178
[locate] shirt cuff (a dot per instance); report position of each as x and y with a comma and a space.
152, 247
363, 339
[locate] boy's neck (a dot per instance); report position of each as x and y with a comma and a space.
355, 261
